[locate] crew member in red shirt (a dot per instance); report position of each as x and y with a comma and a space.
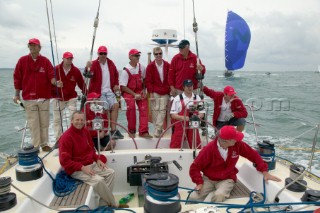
184, 65
228, 108
214, 169
105, 81
65, 97
78, 158
158, 88
34, 76
180, 111
134, 92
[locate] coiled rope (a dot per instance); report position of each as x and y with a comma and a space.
161, 195
63, 184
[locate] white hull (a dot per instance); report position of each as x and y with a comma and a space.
123, 157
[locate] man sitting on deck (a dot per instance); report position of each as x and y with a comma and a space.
79, 160
217, 161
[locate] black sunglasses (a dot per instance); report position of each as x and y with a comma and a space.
157, 54
136, 56
102, 53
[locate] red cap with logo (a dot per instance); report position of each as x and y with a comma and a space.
229, 90
34, 41
93, 95
134, 52
102, 49
67, 55
230, 133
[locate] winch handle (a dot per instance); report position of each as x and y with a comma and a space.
177, 165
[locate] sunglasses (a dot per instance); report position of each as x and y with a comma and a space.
157, 53
102, 53
136, 56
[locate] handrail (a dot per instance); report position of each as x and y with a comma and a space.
109, 122
254, 123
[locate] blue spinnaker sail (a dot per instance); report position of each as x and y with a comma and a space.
237, 40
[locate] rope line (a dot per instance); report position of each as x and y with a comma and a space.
52, 54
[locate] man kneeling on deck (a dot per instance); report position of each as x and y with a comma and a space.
217, 161
79, 160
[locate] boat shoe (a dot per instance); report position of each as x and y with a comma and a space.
46, 148
116, 134
145, 135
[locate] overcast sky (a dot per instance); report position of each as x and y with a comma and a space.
285, 34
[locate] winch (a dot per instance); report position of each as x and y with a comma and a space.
29, 167
159, 188
156, 184
299, 185
267, 153
7, 198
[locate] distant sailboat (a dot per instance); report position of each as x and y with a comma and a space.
318, 71
237, 40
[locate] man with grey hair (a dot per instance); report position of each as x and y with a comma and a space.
34, 76
158, 88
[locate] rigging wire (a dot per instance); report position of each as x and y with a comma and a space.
53, 61
184, 20
87, 73
57, 54
198, 75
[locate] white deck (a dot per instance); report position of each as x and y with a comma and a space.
120, 159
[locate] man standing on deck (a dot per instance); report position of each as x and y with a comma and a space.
34, 76
78, 158
105, 81
214, 169
184, 65
181, 111
65, 97
228, 108
134, 92
158, 88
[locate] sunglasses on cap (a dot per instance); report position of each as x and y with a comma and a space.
157, 53
102, 53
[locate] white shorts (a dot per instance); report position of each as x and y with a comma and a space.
109, 99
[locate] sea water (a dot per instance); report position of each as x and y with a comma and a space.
286, 110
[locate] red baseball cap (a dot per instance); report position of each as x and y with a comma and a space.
229, 90
230, 133
134, 52
34, 41
67, 55
102, 49
93, 95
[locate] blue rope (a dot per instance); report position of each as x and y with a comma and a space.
250, 204
28, 159
159, 195
105, 209
63, 184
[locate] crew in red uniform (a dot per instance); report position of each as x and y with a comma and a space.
214, 169
105, 81
180, 111
134, 92
184, 65
65, 97
158, 88
34, 76
228, 108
